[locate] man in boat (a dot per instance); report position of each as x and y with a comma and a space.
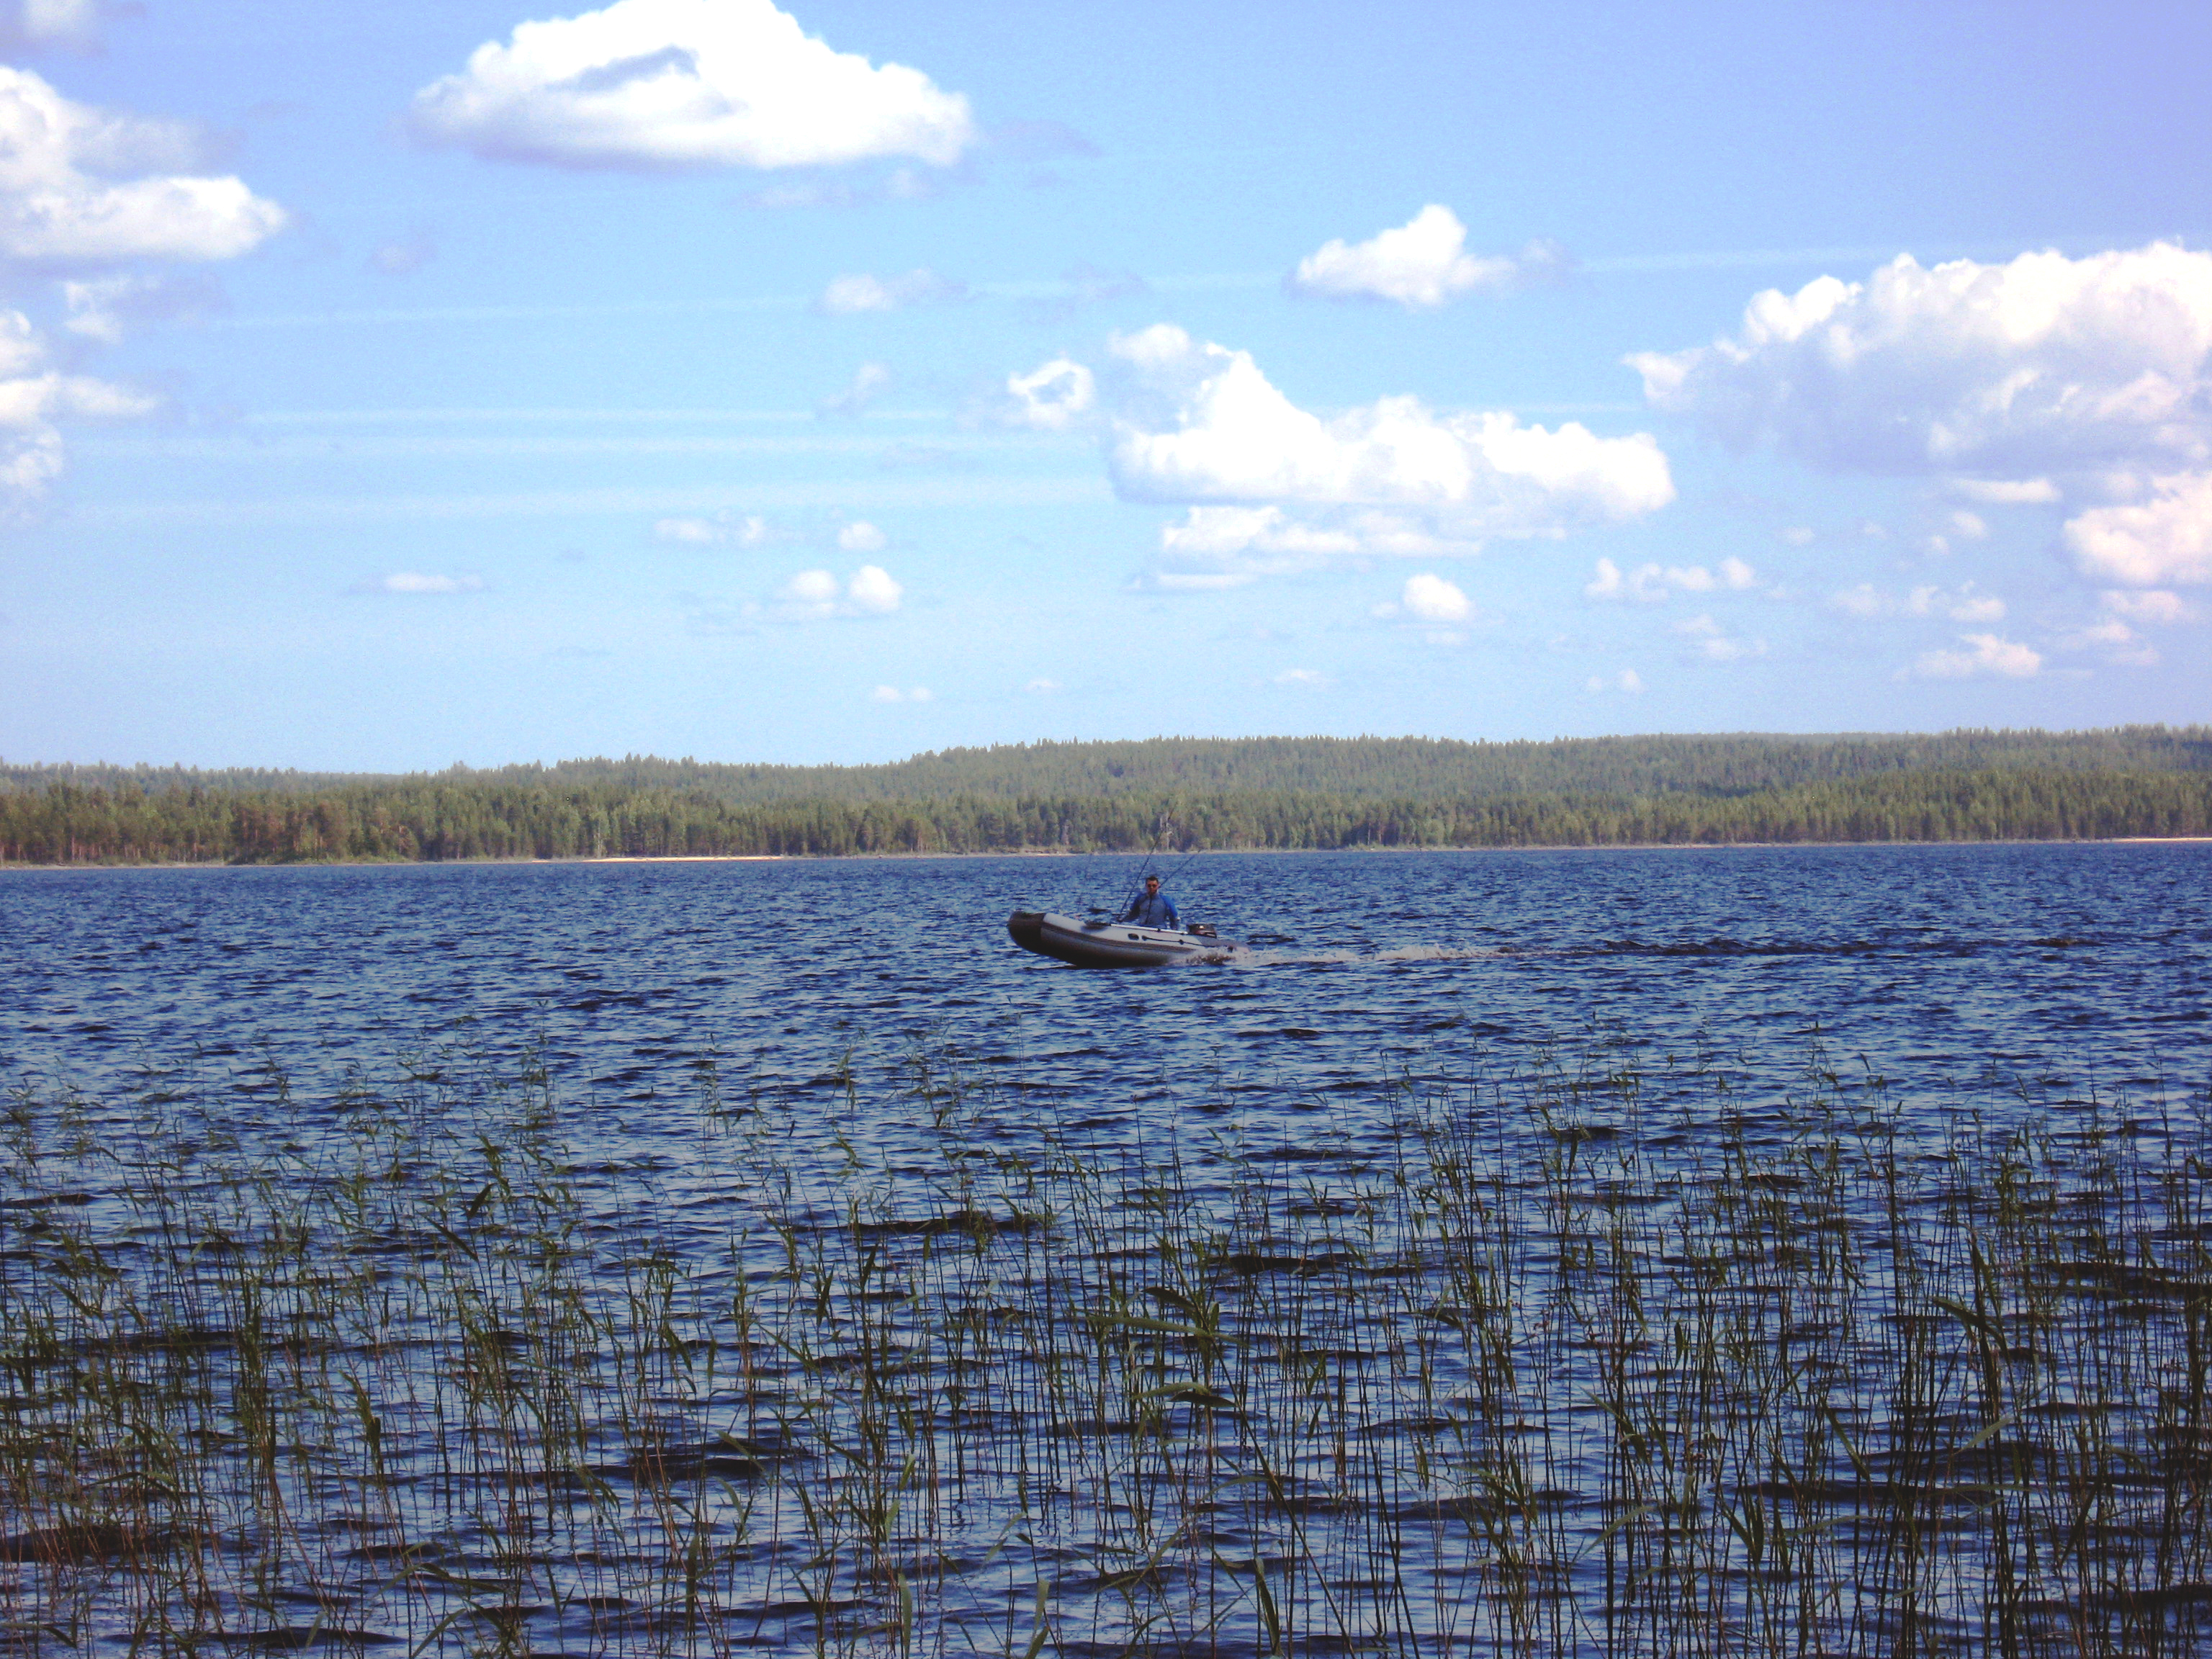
1154, 909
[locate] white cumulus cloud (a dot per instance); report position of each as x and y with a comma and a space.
1053, 397
34, 395
67, 198
1200, 424
2166, 538
871, 590
2002, 372
688, 83
847, 294
1420, 265
1430, 598
861, 536
1986, 654
892, 693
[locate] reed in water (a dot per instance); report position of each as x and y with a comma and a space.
1602, 1353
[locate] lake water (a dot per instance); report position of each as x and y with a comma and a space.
1587, 1253
2090, 963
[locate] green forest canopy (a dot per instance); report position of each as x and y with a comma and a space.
1289, 792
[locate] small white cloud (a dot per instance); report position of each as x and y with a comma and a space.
1964, 604
872, 592
869, 382
1865, 601
688, 83
1420, 265
723, 530
1711, 641
892, 693
2154, 605
812, 587
1053, 397
817, 596
1042, 687
1627, 680
1433, 599
1967, 526
2163, 541
847, 295
861, 536
1987, 654
66, 199
2006, 492
1650, 583
2115, 641
417, 581
1301, 677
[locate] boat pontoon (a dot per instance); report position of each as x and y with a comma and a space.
1116, 944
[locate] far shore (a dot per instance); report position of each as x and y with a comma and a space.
8, 868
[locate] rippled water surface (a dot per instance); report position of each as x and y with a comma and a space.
2093, 962
1596, 1253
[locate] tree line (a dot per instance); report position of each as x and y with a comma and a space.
444, 818
1367, 768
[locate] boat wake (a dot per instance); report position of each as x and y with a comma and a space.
1268, 957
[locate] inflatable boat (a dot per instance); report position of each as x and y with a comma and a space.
1116, 944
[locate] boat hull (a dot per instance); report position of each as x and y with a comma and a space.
1111, 943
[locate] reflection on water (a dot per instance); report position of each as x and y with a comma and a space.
1631, 1252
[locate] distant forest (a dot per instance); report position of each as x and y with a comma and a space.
1173, 792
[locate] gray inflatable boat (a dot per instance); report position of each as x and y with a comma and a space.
1116, 944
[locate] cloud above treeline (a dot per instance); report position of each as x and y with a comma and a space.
87, 197
1269, 487
1199, 424
2044, 379
655, 84
846, 295
1420, 265
69, 200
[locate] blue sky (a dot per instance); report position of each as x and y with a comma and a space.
505, 382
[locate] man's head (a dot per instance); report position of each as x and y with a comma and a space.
1152, 885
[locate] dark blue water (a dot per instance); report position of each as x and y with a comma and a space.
208, 1028
2074, 968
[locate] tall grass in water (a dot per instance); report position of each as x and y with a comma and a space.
1568, 1359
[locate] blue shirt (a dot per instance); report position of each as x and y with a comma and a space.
1155, 910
